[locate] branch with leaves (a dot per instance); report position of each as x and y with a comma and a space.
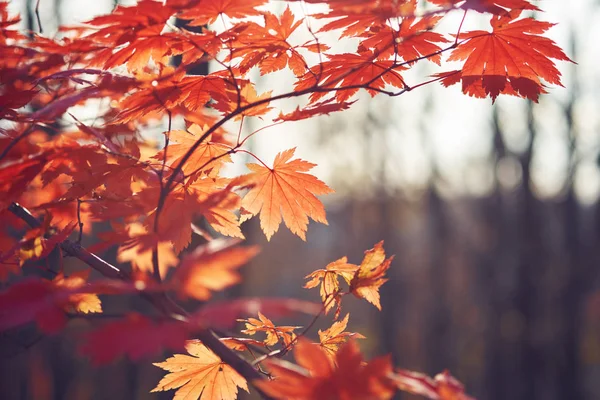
59, 180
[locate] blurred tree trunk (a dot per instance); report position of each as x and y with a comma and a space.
438, 353
568, 371
524, 321
492, 274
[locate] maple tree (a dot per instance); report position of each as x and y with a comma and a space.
59, 176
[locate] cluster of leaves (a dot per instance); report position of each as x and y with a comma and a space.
59, 175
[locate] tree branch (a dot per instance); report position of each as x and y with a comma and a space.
159, 300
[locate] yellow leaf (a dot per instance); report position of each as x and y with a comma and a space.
370, 275
207, 269
332, 338
202, 376
328, 279
80, 302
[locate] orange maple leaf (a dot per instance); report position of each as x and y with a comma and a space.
209, 157
275, 334
285, 190
138, 247
347, 377
206, 196
330, 339
328, 280
512, 59
200, 376
370, 275
211, 268
243, 98
81, 302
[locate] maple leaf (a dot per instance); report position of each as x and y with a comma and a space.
208, 157
138, 246
10, 102
241, 344
137, 54
35, 245
197, 91
135, 32
45, 302
509, 60
346, 377
80, 302
354, 71
206, 12
242, 99
32, 300
153, 96
211, 268
218, 209
331, 338
7, 21
267, 46
135, 336
203, 375
357, 17
413, 39
443, 387
16, 175
206, 196
328, 280
285, 191
117, 27
275, 334
369, 276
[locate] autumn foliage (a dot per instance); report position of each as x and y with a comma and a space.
148, 168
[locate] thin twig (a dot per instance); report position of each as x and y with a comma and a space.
79, 221
37, 15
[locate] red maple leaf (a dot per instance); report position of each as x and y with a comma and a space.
135, 336
512, 59
344, 74
267, 46
204, 12
346, 376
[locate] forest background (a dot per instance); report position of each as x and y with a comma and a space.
492, 213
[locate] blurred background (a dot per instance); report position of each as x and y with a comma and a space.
492, 213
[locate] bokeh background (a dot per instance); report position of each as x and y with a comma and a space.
491, 210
